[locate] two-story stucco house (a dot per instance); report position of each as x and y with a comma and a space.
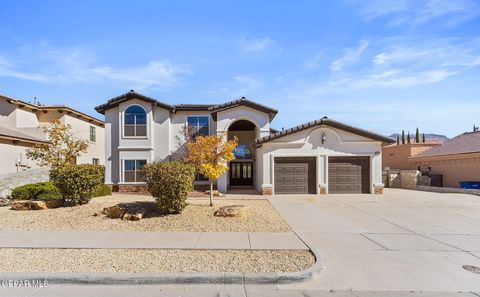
323, 156
21, 127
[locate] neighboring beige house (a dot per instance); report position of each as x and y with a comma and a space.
322, 156
20, 128
396, 156
457, 159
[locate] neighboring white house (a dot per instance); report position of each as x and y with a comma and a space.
21, 128
323, 156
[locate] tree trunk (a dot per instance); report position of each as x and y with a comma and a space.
211, 193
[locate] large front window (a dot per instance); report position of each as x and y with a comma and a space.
135, 124
132, 172
197, 125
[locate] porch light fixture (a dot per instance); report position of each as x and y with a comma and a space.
324, 138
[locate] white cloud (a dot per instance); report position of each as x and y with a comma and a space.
255, 45
43, 63
417, 12
350, 56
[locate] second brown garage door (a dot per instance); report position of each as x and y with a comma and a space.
348, 175
295, 175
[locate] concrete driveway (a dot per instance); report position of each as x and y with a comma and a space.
400, 241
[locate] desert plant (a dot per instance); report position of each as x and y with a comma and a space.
62, 146
210, 155
169, 183
102, 190
37, 191
77, 183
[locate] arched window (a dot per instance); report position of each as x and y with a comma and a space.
135, 122
242, 152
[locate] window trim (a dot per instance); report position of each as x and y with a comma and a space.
198, 115
123, 170
94, 129
93, 161
146, 122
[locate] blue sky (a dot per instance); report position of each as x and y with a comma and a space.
379, 65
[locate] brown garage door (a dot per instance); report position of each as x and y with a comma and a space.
348, 175
295, 176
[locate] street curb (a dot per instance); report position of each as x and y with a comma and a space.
170, 277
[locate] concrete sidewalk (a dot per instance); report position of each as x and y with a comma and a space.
151, 240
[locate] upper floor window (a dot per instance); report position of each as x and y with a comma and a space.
93, 134
135, 124
197, 125
95, 161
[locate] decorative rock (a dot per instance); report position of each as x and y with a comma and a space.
29, 205
5, 202
133, 216
231, 211
114, 212
54, 203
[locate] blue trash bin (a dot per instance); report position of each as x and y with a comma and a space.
470, 185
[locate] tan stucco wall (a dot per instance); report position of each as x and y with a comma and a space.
396, 156
10, 153
454, 168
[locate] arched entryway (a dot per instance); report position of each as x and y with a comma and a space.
241, 172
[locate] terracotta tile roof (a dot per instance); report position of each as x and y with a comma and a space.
245, 102
201, 107
468, 142
130, 95
45, 108
19, 135
327, 122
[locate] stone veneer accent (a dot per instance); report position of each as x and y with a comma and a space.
267, 190
132, 189
378, 189
323, 190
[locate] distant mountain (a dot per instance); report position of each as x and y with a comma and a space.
429, 137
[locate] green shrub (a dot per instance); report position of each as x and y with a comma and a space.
169, 183
102, 190
77, 183
37, 191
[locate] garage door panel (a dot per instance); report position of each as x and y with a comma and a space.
295, 175
349, 175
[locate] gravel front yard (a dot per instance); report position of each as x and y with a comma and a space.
197, 217
134, 260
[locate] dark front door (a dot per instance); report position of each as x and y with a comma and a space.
241, 174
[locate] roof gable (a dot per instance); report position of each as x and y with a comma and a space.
128, 96
327, 122
242, 102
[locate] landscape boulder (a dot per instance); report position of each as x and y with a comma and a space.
114, 212
232, 211
5, 202
29, 205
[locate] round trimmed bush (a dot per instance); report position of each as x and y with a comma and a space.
77, 183
169, 183
37, 191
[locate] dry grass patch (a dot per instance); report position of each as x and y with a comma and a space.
136, 260
197, 217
